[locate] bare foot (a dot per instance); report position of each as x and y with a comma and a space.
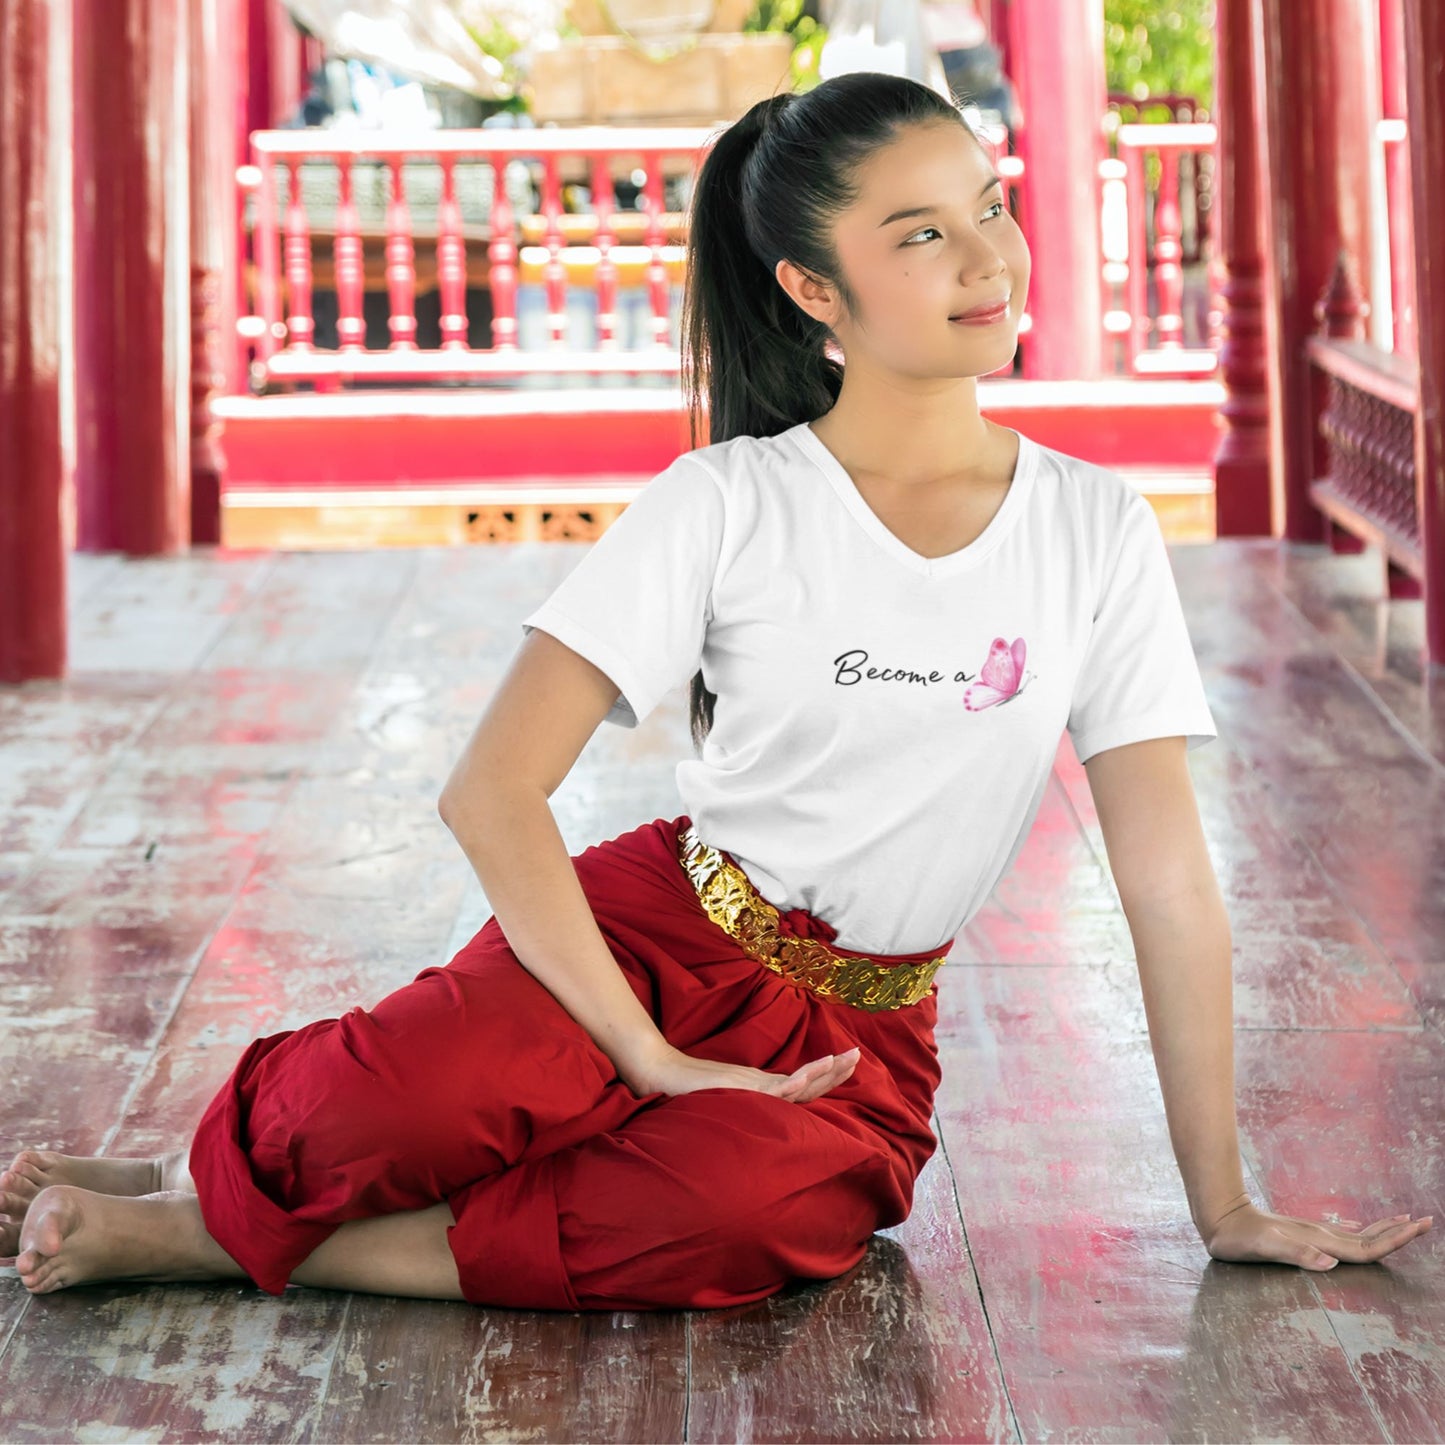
35, 1169
74, 1236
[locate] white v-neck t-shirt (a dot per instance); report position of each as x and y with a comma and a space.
886, 723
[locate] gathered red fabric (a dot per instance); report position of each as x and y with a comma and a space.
799, 923
473, 1085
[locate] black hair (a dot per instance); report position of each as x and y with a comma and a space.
771, 187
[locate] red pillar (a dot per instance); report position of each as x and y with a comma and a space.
132, 276
1057, 57
238, 44
1424, 85
213, 240
1318, 124
276, 60
1241, 462
1397, 176
35, 348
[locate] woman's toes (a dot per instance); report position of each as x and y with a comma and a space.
13, 1203
20, 1184
34, 1163
54, 1215
42, 1279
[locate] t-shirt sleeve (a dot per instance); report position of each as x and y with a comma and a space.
1139, 677
638, 603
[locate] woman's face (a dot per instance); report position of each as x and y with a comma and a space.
958, 249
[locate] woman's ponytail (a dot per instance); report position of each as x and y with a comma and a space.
753, 363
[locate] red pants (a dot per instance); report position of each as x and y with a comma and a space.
473, 1085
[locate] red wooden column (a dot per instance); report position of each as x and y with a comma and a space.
35, 348
1397, 176
1241, 462
132, 276
237, 48
214, 83
1317, 124
276, 62
1056, 51
1424, 85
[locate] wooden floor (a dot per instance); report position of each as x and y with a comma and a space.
224, 824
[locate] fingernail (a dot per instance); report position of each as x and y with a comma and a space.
1326, 1261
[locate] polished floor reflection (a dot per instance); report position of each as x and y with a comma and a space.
223, 823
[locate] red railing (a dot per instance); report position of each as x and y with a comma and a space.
1153, 337
282, 247
598, 248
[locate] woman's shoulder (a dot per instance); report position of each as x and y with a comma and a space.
754, 474
740, 456
1089, 486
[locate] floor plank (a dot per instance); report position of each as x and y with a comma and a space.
1342, 771
434, 1370
1110, 1320
81, 1008
169, 1362
1351, 1120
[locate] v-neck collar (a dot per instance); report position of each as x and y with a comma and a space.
812, 446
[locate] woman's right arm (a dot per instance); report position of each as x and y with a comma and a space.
495, 802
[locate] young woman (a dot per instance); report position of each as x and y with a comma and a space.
697, 1061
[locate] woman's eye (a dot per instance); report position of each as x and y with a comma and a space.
997, 206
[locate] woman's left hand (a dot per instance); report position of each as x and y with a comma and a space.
1251, 1235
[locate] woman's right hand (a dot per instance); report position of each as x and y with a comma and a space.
674, 1072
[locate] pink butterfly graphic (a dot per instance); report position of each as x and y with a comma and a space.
1000, 678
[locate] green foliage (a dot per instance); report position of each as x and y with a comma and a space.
808, 36
499, 42
496, 39
779, 15
1154, 47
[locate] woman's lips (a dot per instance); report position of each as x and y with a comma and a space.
983, 318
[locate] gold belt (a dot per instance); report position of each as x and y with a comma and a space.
728, 896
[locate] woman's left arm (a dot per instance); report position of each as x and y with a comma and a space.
1144, 797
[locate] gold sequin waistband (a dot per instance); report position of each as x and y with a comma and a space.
731, 901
